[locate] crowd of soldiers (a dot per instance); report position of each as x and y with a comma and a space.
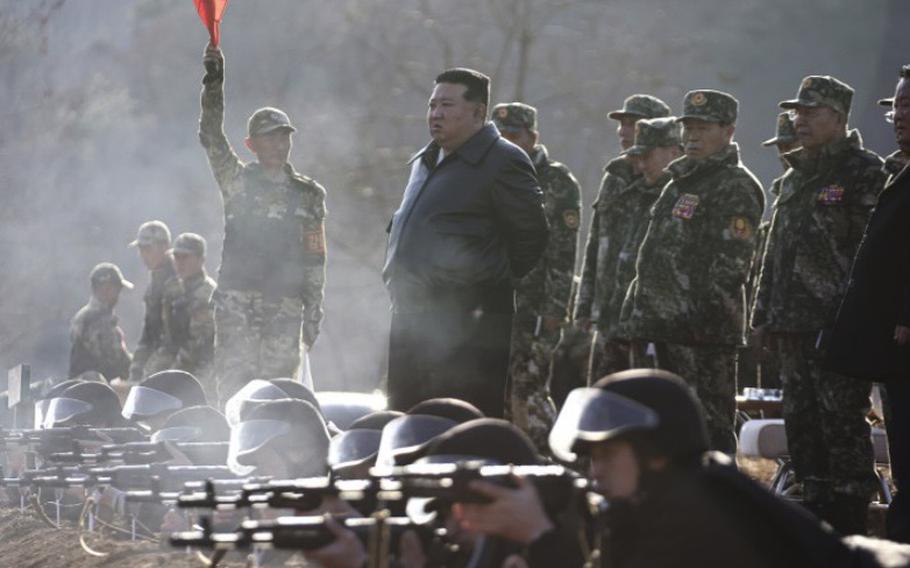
680, 273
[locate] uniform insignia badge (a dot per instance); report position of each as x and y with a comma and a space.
831, 195
698, 99
807, 83
502, 113
570, 218
685, 206
741, 228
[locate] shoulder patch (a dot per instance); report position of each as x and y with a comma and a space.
741, 228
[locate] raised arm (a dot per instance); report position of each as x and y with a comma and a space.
225, 164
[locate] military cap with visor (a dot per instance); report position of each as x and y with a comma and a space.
654, 133
711, 106
189, 243
513, 117
108, 272
152, 233
822, 91
785, 132
641, 106
268, 119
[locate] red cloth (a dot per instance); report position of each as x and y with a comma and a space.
210, 12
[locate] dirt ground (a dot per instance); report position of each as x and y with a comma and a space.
26, 541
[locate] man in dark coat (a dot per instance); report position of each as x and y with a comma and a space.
871, 339
470, 222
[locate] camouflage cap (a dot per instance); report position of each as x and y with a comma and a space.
822, 90
108, 272
711, 106
641, 106
889, 102
152, 232
785, 133
189, 243
267, 120
514, 116
653, 133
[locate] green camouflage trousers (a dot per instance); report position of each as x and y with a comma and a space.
711, 371
255, 338
611, 357
528, 402
825, 418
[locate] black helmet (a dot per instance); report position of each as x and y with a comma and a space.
44, 401
405, 439
194, 424
293, 427
162, 394
355, 449
488, 439
84, 403
258, 390
657, 406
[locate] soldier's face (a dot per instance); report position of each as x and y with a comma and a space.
817, 126
108, 293
614, 469
187, 265
902, 115
153, 255
452, 119
626, 132
652, 163
702, 138
523, 138
272, 148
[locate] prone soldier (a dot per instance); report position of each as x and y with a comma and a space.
272, 274
153, 241
542, 296
98, 343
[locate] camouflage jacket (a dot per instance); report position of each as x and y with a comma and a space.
274, 233
596, 272
150, 339
189, 323
626, 222
545, 290
98, 343
692, 266
817, 224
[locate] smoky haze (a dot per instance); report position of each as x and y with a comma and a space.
101, 100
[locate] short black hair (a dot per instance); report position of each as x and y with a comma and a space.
905, 72
478, 84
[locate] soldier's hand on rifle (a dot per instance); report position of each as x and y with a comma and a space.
515, 514
213, 59
345, 552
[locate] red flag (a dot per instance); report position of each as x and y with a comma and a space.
210, 12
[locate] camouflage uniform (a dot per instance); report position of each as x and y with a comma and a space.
188, 338
626, 221
818, 221
97, 341
272, 274
598, 273
766, 372
150, 233
544, 292
688, 295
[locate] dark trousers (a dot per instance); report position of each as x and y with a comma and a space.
897, 420
451, 352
